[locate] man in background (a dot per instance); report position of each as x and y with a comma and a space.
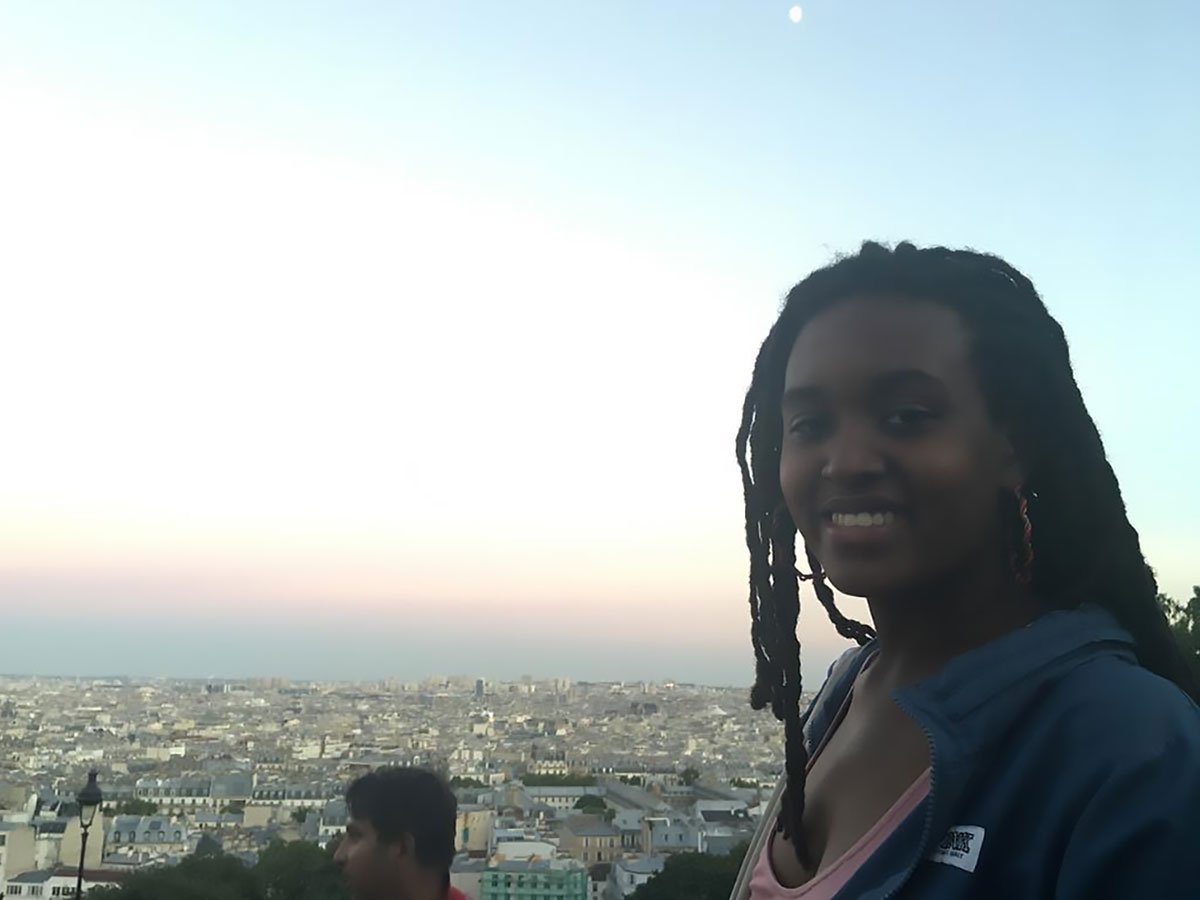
399, 840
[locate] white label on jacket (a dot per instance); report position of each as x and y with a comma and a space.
960, 847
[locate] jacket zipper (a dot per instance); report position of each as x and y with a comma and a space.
929, 812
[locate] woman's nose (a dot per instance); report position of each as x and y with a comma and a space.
852, 453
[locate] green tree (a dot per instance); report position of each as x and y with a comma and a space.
590, 803
697, 876
235, 806
295, 871
1185, 625
465, 782
136, 807
209, 877
690, 775
300, 814
298, 871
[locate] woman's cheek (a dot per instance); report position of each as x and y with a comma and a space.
794, 484
956, 494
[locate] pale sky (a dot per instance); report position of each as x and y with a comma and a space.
384, 339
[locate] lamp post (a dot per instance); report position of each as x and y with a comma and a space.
89, 799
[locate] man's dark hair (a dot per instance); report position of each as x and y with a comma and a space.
1086, 548
399, 801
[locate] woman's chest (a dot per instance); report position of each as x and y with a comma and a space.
865, 767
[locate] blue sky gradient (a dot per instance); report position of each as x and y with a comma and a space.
638, 183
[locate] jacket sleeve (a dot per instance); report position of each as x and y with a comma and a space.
1139, 835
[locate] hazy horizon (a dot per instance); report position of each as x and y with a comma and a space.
294, 681
354, 339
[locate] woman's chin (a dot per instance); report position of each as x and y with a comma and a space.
866, 581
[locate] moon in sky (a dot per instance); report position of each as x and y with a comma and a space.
796, 14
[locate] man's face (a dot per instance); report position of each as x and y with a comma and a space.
371, 867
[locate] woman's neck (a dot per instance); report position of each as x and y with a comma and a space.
919, 631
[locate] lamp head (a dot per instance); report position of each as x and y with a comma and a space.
89, 799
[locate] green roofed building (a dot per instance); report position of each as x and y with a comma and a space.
537, 879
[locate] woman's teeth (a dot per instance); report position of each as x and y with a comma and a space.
864, 519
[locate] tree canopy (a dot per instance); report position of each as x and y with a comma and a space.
697, 876
591, 803
298, 871
284, 871
1185, 624
209, 877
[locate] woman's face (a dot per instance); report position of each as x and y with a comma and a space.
890, 466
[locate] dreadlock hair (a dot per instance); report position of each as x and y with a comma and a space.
1086, 548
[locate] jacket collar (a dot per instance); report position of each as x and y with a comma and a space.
993, 683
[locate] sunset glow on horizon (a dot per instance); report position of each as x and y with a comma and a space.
434, 334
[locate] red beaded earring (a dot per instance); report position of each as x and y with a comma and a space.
1022, 558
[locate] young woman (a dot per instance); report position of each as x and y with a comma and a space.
1017, 723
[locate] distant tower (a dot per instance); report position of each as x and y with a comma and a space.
478, 688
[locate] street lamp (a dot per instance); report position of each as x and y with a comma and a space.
89, 799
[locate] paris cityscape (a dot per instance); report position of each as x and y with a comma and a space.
366, 356
591, 786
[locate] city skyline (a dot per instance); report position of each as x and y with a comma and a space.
262, 770
459, 680
351, 341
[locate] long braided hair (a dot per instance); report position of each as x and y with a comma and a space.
1086, 548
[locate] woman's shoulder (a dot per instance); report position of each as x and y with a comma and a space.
1123, 710
1130, 781
832, 691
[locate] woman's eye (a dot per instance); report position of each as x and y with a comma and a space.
908, 418
807, 428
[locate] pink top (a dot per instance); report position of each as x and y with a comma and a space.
826, 883
764, 885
